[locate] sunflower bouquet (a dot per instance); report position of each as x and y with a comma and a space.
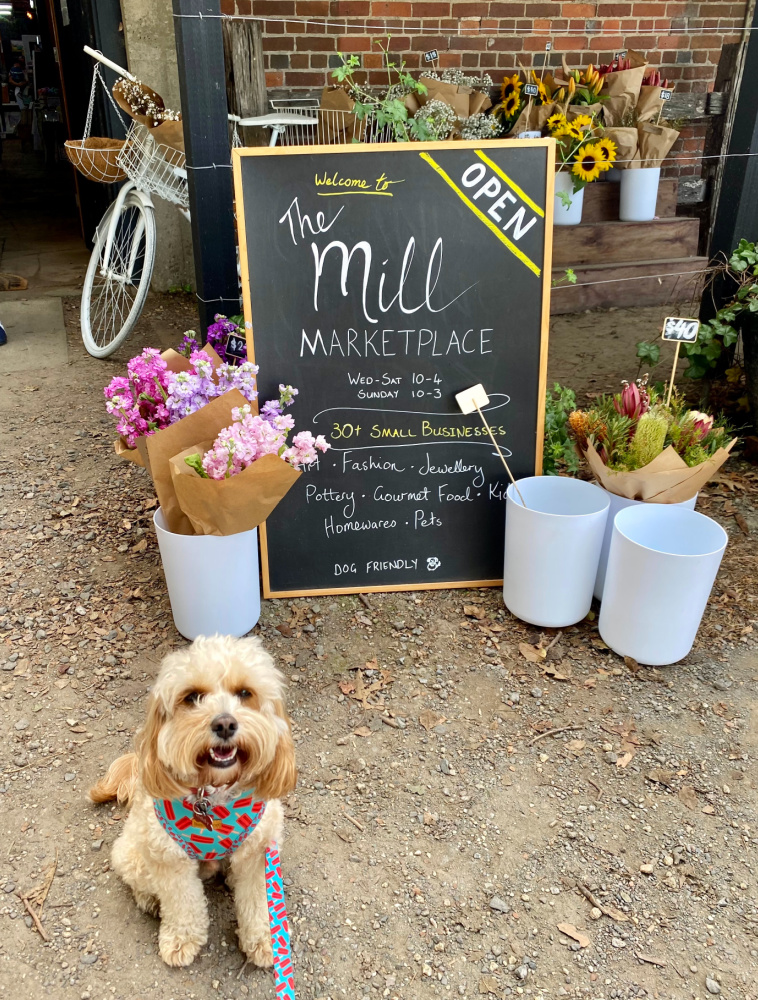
641, 447
581, 149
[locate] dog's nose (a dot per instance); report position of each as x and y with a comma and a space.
224, 726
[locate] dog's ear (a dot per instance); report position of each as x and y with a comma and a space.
280, 777
156, 779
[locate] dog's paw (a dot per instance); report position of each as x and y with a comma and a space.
258, 950
176, 950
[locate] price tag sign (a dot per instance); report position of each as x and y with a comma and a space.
531, 89
665, 95
431, 56
680, 330
548, 46
236, 348
621, 54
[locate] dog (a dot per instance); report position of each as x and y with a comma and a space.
213, 758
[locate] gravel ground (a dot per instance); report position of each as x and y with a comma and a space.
483, 809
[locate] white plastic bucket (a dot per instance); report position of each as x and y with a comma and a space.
617, 504
663, 561
638, 195
212, 580
572, 215
551, 549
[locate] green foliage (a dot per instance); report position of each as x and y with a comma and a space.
389, 109
180, 289
559, 454
649, 352
567, 278
196, 462
722, 331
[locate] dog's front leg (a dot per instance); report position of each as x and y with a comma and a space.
184, 913
248, 879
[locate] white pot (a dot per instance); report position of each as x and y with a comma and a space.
638, 195
551, 549
572, 215
617, 504
213, 583
663, 561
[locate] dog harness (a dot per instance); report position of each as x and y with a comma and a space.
208, 832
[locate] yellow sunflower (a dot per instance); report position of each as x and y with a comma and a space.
589, 163
511, 85
555, 121
568, 130
582, 121
608, 152
542, 96
510, 104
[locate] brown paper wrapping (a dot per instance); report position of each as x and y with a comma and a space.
583, 109
533, 117
458, 98
649, 104
175, 362
654, 144
478, 102
615, 108
626, 140
128, 454
337, 123
228, 506
667, 479
169, 134
146, 120
162, 446
626, 81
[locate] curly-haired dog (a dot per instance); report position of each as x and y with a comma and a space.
214, 753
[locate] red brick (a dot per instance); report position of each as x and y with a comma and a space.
469, 9
228, 7
312, 8
602, 43
578, 9
274, 8
350, 8
614, 10
278, 43
316, 43
429, 9
319, 61
303, 80
649, 9
468, 44
391, 8
372, 60
300, 60
274, 79
507, 9
354, 43
569, 43
448, 59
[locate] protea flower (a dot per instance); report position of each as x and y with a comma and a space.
701, 422
633, 400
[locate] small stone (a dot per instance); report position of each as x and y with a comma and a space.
69, 776
618, 942
22, 724
9, 887
610, 757
647, 869
514, 697
596, 913
668, 860
496, 903
712, 986
97, 844
88, 959
536, 692
522, 972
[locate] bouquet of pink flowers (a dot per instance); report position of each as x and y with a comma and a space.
232, 483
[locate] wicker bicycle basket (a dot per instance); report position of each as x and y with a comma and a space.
97, 159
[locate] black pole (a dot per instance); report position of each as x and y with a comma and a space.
200, 55
737, 211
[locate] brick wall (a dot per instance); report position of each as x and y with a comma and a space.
496, 37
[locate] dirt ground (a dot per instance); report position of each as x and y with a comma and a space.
478, 825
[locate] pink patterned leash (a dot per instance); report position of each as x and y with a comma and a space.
284, 972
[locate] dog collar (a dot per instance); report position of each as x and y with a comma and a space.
207, 832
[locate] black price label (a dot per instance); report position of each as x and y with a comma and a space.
665, 95
236, 348
621, 54
531, 89
431, 56
680, 329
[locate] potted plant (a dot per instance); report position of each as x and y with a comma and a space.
641, 449
581, 158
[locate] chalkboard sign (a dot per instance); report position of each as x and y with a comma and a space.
431, 56
681, 329
531, 90
381, 280
666, 95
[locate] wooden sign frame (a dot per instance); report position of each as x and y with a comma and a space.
400, 148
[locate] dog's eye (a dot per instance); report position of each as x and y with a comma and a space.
244, 693
192, 698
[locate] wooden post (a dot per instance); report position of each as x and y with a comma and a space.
673, 372
200, 57
245, 76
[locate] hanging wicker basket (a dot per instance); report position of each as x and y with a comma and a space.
97, 159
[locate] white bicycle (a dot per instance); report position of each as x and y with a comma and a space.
123, 256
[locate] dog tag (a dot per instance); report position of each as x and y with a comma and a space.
200, 810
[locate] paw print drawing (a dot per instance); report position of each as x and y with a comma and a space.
433, 563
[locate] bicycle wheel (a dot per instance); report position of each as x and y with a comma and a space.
115, 290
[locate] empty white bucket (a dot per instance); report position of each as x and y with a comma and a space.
638, 195
662, 564
572, 215
551, 549
212, 580
617, 504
